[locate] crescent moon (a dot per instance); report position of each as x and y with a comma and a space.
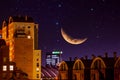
71, 40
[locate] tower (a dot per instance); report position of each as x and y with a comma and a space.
21, 34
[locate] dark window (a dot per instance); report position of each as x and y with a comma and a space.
37, 64
37, 75
37, 59
28, 26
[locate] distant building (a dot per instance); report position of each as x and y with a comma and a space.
97, 68
53, 58
21, 34
50, 70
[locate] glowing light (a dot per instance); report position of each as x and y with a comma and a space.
37, 69
57, 52
11, 67
4, 68
57, 23
29, 37
91, 9
59, 5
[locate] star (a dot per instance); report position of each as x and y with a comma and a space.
91, 9
57, 23
59, 5
45, 47
58, 40
16, 8
103, 0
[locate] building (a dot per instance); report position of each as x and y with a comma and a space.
50, 70
97, 68
0, 34
21, 34
6, 67
53, 58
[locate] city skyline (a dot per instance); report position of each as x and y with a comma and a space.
97, 20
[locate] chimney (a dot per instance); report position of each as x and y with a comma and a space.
86, 57
70, 59
106, 55
99, 56
75, 58
115, 54
93, 56
82, 58
26, 18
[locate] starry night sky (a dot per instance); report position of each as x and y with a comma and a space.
97, 20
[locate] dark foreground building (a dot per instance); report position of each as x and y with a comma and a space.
97, 68
8, 69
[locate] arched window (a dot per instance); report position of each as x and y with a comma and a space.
10, 20
97, 64
117, 65
78, 65
63, 66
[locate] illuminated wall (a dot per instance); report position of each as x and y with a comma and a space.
21, 34
37, 64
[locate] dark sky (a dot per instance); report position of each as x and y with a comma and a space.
97, 20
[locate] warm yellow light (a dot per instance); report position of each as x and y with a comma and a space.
11, 67
4, 68
37, 69
29, 37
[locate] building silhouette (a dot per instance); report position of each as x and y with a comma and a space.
6, 67
21, 35
97, 68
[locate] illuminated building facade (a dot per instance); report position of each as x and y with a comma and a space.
21, 34
97, 68
53, 58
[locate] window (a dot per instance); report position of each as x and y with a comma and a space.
28, 26
37, 64
4, 68
63, 67
11, 67
4, 59
37, 75
28, 36
37, 69
37, 59
37, 54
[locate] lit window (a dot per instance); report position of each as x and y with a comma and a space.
4, 59
4, 68
29, 37
11, 67
37, 69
